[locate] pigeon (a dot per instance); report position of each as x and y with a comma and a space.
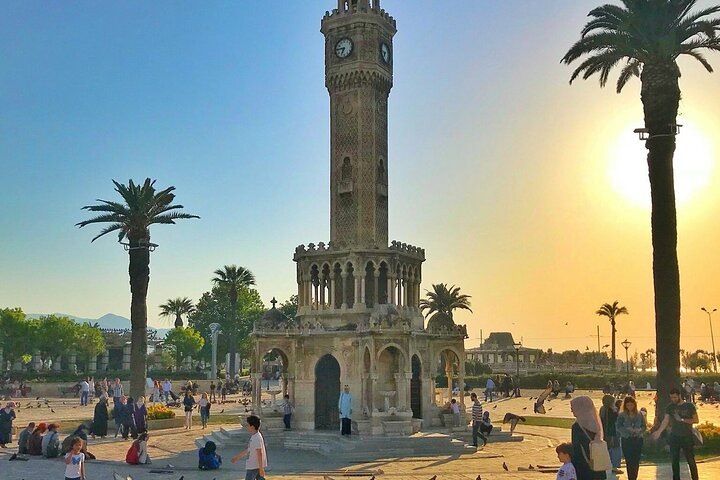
478, 478
495, 406
221, 411
53, 411
182, 477
524, 408
550, 409
434, 477
37, 398
325, 477
531, 467
566, 324
505, 467
117, 476
12, 457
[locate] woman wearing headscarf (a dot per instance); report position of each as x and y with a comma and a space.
100, 418
587, 427
7, 415
140, 415
608, 417
35, 440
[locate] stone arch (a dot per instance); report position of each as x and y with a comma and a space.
450, 363
390, 367
275, 364
327, 391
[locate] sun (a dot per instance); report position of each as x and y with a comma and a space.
693, 165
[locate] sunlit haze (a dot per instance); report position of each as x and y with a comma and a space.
528, 193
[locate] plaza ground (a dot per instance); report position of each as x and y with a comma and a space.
177, 447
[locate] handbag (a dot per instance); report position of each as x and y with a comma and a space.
697, 437
599, 460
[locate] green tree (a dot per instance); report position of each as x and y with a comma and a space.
611, 311
289, 307
56, 336
89, 341
214, 307
442, 301
646, 37
177, 307
182, 342
232, 279
142, 206
17, 334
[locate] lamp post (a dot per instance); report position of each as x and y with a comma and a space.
712, 338
627, 344
517, 358
214, 330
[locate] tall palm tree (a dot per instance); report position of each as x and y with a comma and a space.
142, 206
177, 307
646, 37
441, 302
232, 279
612, 311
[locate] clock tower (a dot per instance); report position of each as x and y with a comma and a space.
358, 76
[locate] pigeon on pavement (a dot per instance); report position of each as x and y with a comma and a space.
505, 467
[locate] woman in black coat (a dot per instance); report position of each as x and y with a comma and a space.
100, 418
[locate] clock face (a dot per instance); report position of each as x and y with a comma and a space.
385, 52
343, 48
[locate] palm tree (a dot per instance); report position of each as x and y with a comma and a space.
177, 307
232, 278
646, 37
612, 311
442, 301
141, 207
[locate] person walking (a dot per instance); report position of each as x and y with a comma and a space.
7, 415
100, 418
345, 408
117, 392
212, 391
223, 391
630, 427
84, 392
125, 412
288, 410
256, 462
167, 389
189, 406
140, 415
587, 427
476, 414
680, 416
204, 409
608, 417
489, 388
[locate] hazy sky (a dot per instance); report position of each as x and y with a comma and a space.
525, 191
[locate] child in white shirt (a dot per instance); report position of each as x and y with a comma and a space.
455, 409
75, 462
567, 471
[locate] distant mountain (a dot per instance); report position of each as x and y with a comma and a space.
109, 320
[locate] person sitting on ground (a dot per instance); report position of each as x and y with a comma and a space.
513, 420
567, 470
137, 454
36, 438
569, 389
208, 459
23, 438
51, 442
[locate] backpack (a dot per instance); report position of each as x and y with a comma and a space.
133, 454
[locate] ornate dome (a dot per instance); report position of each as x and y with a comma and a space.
440, 321
272, 317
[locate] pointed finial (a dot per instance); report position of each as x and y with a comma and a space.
273, 301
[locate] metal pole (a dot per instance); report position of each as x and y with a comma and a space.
598, 336
214, 330
712, 337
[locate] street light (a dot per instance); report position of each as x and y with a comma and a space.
214, 330
709, 313
517, 358
626, 344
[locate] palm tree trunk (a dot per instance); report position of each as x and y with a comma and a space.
661, 97
139, 278
612, 325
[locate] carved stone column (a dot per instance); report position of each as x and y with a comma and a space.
256, 379
331, 294
362, 291
376, 287
405, 286
72, 362
105, 360
126, 357
373, 389
391, 290
344, 287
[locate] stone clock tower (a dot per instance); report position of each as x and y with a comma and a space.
358, 321
358, 76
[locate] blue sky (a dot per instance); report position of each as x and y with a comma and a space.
225, 100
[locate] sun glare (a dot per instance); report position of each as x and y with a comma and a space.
694, 163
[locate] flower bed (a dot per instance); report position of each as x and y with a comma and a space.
159, 412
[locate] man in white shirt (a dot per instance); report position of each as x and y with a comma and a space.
167, 388
256, 462
84, 392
